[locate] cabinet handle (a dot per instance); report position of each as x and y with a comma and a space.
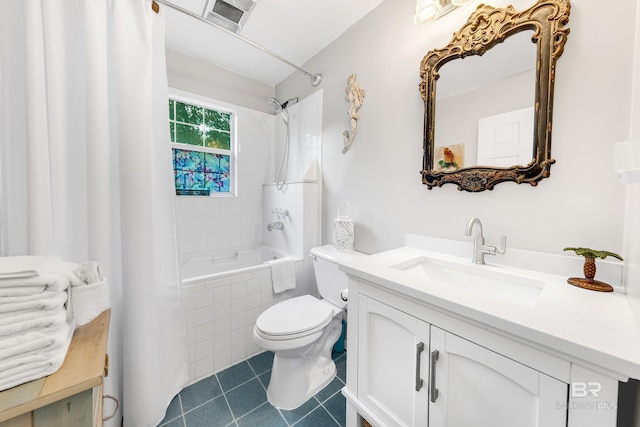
419, 350
435, 354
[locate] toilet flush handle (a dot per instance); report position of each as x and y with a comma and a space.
344, 294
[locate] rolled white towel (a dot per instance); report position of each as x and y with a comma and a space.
90, 272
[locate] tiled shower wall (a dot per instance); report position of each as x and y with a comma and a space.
213, 223
301, 226
300, 232
305, 125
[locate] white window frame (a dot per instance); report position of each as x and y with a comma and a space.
210, 104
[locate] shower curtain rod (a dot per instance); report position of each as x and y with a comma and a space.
315, 78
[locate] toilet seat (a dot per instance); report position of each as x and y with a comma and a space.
294, 318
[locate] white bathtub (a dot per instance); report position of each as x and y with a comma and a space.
223, 295
224, 263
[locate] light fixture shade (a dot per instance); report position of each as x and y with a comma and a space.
459, 2
427, 11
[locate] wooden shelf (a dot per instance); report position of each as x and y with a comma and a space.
83, 369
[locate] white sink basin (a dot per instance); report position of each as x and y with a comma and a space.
487, 280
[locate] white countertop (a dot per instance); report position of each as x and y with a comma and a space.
595, 327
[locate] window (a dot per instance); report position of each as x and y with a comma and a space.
203, 145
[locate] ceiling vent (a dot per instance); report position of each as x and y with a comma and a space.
230, 14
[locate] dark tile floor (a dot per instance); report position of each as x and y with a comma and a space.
237, 397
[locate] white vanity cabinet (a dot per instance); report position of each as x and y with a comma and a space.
411, 373
393, 364
435, 340
473, 386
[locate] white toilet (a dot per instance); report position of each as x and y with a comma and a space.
302, 331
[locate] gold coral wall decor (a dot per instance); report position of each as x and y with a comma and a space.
355, 95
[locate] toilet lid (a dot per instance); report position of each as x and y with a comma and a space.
294, 316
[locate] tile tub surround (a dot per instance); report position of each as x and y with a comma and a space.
237, 396
302, 226
220, 314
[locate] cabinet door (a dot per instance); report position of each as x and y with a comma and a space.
393, 366
76, 411
480, 388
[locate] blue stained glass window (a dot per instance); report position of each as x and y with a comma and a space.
195, 170
217, 172
202, 144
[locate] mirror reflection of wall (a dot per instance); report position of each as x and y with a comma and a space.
478, 87
506, 139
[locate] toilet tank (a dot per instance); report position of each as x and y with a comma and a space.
329, 278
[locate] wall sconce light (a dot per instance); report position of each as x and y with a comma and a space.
430, 10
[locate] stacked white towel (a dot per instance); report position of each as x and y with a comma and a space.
35, 325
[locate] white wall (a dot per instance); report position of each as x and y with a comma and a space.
581, 204
195, 75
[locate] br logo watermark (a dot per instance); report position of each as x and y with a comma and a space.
581, 389
585, 390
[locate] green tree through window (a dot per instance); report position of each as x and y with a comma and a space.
202, 144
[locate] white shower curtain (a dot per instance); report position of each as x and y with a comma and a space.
99, 180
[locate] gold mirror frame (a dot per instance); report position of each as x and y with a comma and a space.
485, 28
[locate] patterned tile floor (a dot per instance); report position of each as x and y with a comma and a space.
237, 397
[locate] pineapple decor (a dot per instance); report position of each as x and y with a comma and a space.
588, 282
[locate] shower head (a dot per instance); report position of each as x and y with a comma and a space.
278, 107
275, 105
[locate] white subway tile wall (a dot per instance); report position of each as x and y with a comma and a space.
220, 315
300, 232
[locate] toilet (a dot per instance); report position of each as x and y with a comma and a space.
302, 331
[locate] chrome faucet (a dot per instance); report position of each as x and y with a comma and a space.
275, 226
479, 248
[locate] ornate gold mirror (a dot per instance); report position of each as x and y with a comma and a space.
488, 97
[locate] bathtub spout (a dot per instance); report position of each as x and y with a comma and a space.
275, 226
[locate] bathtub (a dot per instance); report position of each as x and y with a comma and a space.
224, 263
223, 293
